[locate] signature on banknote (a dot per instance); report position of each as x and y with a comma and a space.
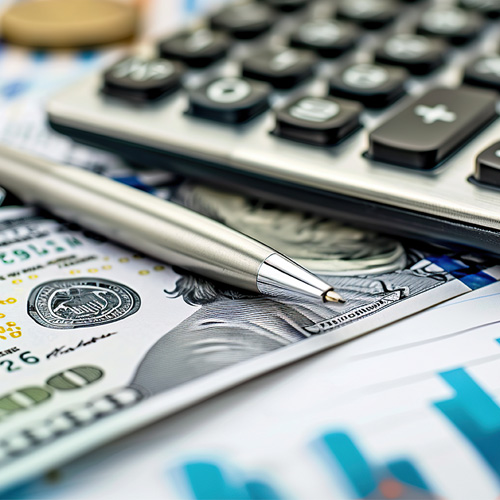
60, 350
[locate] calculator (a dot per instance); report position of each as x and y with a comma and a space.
381, 113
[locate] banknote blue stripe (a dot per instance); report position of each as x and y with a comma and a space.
471, 276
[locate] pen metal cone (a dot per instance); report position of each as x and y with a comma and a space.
332, 296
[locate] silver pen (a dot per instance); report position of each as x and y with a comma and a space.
156, 227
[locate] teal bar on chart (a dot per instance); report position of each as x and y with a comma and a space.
396, 479
475, 414
209, 481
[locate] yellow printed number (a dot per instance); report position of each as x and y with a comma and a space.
10, 300
10, 329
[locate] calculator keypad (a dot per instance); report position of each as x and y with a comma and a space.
333, 119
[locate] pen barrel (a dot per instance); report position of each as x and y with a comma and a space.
136, 219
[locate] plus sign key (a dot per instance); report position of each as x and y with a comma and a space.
432, 128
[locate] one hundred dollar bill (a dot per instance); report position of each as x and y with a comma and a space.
96, 340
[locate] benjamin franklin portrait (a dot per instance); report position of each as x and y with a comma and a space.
231, 326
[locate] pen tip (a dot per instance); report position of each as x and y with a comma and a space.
331, 296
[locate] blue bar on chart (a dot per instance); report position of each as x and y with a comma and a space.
398, 479
207, 481
475, 414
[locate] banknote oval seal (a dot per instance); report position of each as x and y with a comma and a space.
81, 302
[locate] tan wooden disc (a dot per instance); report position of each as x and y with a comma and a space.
68, 23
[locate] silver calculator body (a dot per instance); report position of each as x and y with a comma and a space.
442, 203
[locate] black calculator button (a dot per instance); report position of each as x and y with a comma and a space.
283, 69
490, 8
488, 166
328, 38
138, 79
229, 100
197, 49
319, 121
287, 5
433, 127
244, 21
418, 54
370, 14
373, 85
456, 25
484, 72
